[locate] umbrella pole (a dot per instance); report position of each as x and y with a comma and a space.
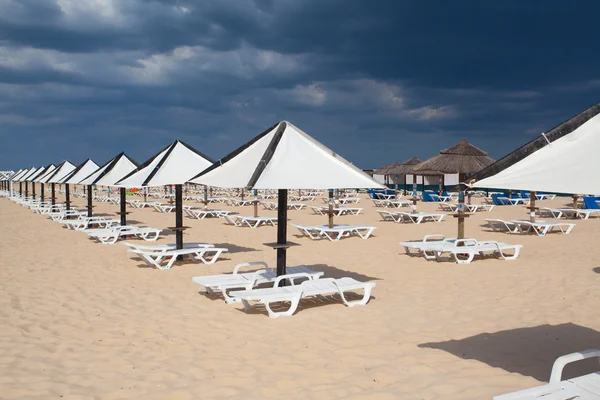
67, 197
33, 189
89, 200
145, 194
26, 189
53, 193
281, 230
330, 211
255, 203
179, 216
123, 203
461, 215
532, 206
42, 192
205, 197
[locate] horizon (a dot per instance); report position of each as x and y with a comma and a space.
377, 83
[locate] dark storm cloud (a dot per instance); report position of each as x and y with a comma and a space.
377, 81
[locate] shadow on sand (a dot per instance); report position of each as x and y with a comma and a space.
527, 351
596, 270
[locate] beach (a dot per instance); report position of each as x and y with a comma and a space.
82, 320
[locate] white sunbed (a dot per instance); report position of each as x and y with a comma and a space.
514, 201
541, 228
586, 387
201, 213
247, 280
479, 207
448, 206
425, 246
65, 214
252, 222
337, 211
463, 251
414, 217
155, 258
240, 202
163, 208
112, 234
337, 232
270, 205
583, 213
294, 293
500, 225
84, 222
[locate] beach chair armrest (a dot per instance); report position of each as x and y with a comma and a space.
561, 362
437, 236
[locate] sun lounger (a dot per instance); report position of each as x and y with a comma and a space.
451, 207
586, 387
65, 214
164, 246
163, 208
270, 205
308, 288
239, 202
201, 213
462, 251
111, 235
514, 201
155, 258
414, 217
426, 246
85, 222
252, 222
247, 280
541, 228
337, 211
479, 207
500, 225
337, 232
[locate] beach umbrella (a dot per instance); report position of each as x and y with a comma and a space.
31, 178
463, 159
63, 169
41, 179
284, 158
562, 160
12, 178
173, 165
108, 175
82, 171
23, 179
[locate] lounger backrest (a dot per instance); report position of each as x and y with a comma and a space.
496, 201
427, 196
590, 202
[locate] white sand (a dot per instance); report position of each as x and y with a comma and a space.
81, 320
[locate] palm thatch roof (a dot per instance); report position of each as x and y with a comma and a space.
404, 168
383, 169
462, 158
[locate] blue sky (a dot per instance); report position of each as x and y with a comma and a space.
377, 81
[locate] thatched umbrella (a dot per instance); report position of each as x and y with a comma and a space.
463, 159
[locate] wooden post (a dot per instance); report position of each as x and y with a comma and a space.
242, 194
42, 192
441, 187
330, 212
53, 193
575, 198
205, 197
33, 189
123, 205
26, 189
461, 215
532, 207
469, 197
281, 230
179, 217
67, 197
89, 201
255, 203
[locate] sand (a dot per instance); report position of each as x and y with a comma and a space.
81, 320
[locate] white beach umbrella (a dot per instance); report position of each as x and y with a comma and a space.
83, 170
31, 178
108, 175
41, 178
563, 160
284, 157
174, 165
62, 170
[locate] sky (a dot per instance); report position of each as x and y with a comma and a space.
377, 81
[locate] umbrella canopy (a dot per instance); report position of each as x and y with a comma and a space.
564, 160
174, 165
462, 158
45, 175
38, 172
26, 175
284, 157
111, 172
82, 171
61, 171
17, 174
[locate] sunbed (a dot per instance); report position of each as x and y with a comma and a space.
85, 222
201, 213
541, 228
271, 205
500, 225
155, 258
308, 288
247, 280
337, 232
425, 246
252, 222
586, 387
111, 235
414, 217
463, 251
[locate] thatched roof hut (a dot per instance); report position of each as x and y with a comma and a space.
462, 158
383, 169
403, 168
